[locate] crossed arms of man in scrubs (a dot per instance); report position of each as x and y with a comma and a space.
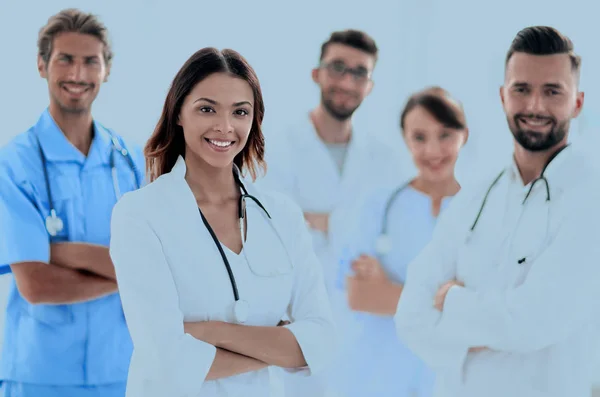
77, 272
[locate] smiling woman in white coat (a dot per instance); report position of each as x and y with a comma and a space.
207, 267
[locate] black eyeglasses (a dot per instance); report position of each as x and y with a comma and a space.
338, 70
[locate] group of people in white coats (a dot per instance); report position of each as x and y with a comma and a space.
337, 175
442, 289
210, 280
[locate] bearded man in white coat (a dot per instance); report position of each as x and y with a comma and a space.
504, 301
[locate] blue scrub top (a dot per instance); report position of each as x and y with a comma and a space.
378, 363
80, 344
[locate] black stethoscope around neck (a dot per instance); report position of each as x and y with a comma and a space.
241, 308
541, 178
54, 223
383, 244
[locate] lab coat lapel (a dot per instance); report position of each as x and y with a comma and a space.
264, 236
351, 187
327, 165
182, 206
354, 165
318, 179
347, 183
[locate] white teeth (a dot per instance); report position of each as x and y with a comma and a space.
536, 123
75, 89
220, 143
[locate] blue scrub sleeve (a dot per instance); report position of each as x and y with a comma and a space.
24, 236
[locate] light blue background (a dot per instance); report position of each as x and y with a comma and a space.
459, 45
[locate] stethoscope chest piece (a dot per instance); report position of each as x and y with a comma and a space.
383, 245
54, 224
241, 311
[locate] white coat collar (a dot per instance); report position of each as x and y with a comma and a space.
179, 195
179, 169
357, 153
554, 171
179, 191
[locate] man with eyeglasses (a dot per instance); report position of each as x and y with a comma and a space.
325, 165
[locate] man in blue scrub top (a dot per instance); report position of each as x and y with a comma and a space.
65, 330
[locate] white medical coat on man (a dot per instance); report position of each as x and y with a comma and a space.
531, 296
301, 166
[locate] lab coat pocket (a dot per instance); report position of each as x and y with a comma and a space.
531, 239
522, 262
50, 314
477, 263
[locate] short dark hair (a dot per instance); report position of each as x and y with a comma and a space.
543, 40
351, 38
437, 102
167, 142
72, 20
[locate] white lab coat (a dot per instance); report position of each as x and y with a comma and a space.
300, 165
170, 271
538, 318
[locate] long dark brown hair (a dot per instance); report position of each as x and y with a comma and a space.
167, 142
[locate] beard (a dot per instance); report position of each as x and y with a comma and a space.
534, 141
339, 113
